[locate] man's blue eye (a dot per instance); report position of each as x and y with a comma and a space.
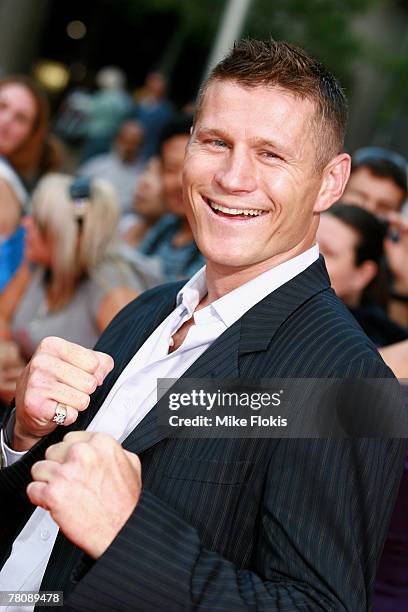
218, 143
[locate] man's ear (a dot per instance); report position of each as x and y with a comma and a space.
335, 177
364, 274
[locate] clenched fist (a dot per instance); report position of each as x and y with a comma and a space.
59, 371
90, 485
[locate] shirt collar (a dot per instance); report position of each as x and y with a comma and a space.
193, 291
233, 305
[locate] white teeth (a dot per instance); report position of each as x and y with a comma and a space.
235, 211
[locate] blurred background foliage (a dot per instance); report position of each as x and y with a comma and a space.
320, 26
323, 27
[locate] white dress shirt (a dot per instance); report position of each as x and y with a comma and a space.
135, 393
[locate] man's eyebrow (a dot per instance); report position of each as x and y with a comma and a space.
205, 131
273, 144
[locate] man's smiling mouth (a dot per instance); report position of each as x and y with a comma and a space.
221, 210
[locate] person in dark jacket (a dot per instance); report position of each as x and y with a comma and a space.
236, 524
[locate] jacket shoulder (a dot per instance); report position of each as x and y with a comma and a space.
324, 334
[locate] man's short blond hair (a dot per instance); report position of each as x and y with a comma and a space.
254, 63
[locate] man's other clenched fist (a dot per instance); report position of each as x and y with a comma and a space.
59, 372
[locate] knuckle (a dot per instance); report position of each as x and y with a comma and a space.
68, 471
36, 379
90, 360
35, 370
32, 402
44, 361
105, 443
51, 451
107, 362
90, 384
46, 344
103, 439
36, 362
71, 434
77, 400
58, 471
34, 471
77, 452
52, 494
93, 362
72, 417
84, 400
40, 375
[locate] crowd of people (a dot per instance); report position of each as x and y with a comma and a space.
77, 246
76, 249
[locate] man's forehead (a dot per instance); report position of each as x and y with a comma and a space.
224, 99
219, 89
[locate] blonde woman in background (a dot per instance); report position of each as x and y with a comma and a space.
73, 282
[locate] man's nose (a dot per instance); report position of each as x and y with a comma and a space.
237, 173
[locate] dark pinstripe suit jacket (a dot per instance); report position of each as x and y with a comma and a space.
237, 524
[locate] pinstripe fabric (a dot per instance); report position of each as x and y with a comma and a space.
239, 524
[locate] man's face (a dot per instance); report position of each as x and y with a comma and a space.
156, 84
338, 243
17, 116
172, 158
250, 183
376, 194
129, 141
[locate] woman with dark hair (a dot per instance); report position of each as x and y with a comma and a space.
351, 240
23, 129
23, 137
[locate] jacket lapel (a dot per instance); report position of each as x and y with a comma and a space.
220, 360
252, 333
260, 324
124, 340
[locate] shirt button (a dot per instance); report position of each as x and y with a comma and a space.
44, 534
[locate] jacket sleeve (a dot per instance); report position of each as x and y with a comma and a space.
323, 521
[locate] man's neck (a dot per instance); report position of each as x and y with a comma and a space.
222, 279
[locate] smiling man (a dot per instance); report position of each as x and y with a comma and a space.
129, 519
253, 177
